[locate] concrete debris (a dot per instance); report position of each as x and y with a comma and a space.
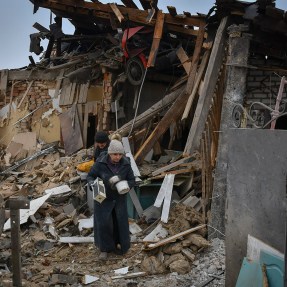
88, 279
180, 266
152, 265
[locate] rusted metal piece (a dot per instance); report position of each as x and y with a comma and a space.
15, 204
278, 102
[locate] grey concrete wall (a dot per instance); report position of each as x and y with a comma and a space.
256, 193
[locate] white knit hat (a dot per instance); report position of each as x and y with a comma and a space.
116, 147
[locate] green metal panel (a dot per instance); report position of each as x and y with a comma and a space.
146, 194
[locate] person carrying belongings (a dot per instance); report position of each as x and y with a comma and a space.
111, 227
101, 145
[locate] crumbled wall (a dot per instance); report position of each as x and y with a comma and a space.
37, 96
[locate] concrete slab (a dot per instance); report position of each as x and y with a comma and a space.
256, 193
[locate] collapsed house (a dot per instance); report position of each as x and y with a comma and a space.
177, 88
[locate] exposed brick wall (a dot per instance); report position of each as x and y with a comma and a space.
37, 96
262, 86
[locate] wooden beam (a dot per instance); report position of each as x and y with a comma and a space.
41, 28
130, 4
172, 10
195, 58
196, 85
156, 39
101, 11
182, 30
32, 75
49, 47
175, 112
184, 59
117, 12
210, 80
170, 166
174, 237
178, 171
25, 94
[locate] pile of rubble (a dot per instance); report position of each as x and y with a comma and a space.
57, 232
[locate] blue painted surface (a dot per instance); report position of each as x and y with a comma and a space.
274, 268
250, 274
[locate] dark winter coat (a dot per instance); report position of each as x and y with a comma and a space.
98, 151
111, 225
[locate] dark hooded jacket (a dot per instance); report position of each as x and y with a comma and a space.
98, 151
111, 225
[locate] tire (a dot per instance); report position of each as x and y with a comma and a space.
135, 71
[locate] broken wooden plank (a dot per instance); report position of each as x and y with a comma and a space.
183, 59
167, 198
83, 93
25, 94
76, 239
177, 108
117, 12
195, 58
58, 83
170, 166
174, 237
102, 11
128, 152
188, 254
196, 85
130, 275
71, 132
210, 80
183, 30
156, 38
178, 171
161, 194
40, 28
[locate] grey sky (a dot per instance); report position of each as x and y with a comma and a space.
17, 19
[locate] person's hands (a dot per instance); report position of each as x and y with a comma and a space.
113, 181
90, 184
